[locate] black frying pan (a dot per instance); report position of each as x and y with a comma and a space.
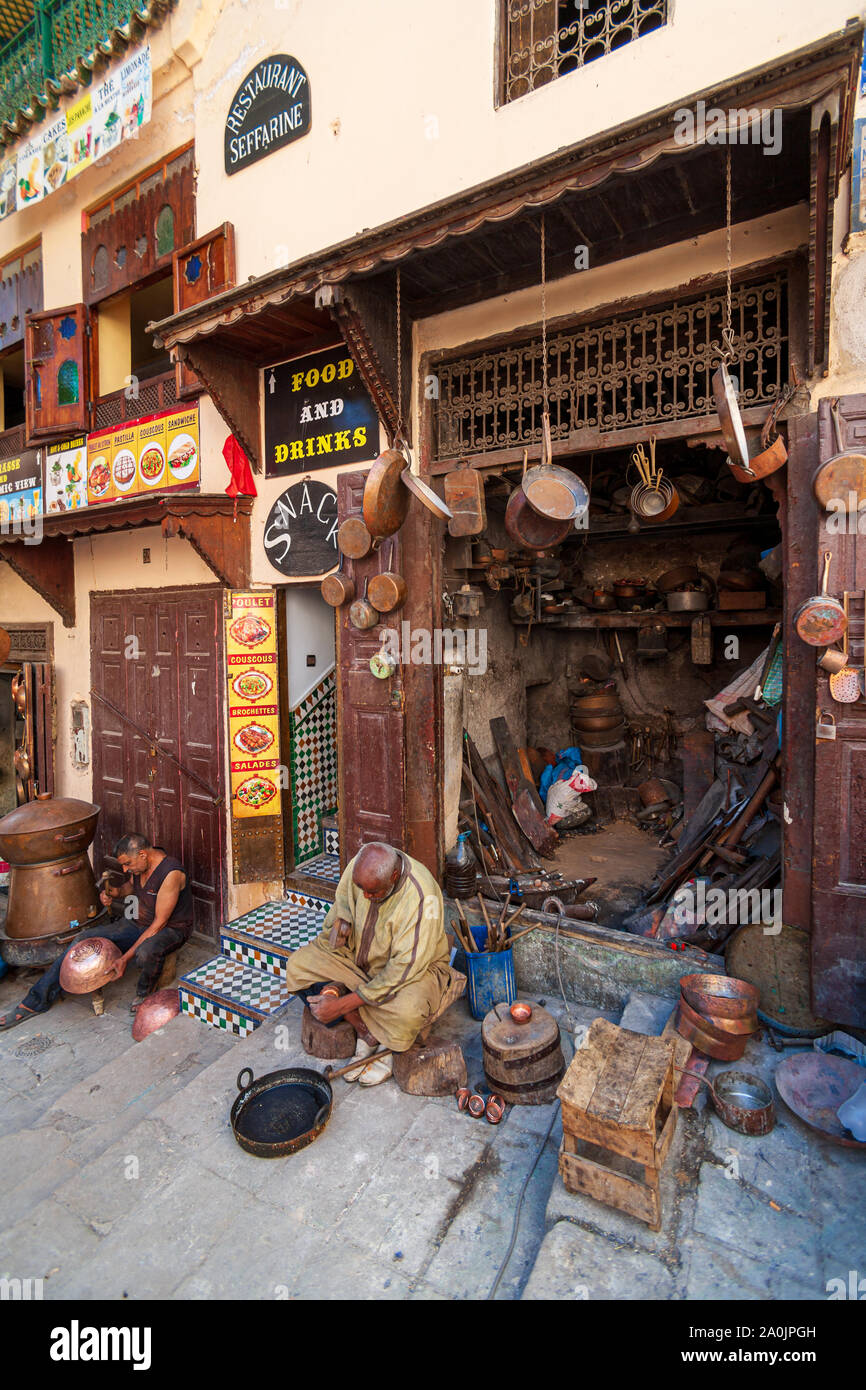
282, 1112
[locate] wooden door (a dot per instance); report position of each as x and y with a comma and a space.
57, 359
156, 656
839, 835
370, 716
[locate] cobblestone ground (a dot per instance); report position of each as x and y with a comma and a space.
123, 1179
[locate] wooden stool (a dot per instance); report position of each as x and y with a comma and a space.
328, 1043
618, 1117
169, 970
431, 1068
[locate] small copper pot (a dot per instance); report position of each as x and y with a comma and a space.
476, 1105
463, 1097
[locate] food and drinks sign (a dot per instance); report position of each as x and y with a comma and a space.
254, 736
91, 127
318, 413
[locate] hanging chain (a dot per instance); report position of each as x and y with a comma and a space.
398, 439
545, 390
728, 332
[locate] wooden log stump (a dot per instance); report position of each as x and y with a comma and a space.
329, 1043
431, 1069
169, 970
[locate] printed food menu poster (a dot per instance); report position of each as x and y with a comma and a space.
253, 706
100, 487
66, 475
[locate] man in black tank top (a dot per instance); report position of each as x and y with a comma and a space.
157, 919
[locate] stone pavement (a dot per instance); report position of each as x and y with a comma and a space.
123, 1179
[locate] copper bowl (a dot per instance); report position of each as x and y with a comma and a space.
720, 996
476, 1106
463, 1097
154, 1012
720, 1027
731, 1050
520, 1012
88, 964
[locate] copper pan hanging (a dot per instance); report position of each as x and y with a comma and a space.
730, 419
386, 497
841, 481
550, 490
821, 620
337, 588
353, 539
772, 455
426, 496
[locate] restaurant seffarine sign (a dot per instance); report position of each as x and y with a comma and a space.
270, 109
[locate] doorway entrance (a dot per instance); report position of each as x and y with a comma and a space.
157, 669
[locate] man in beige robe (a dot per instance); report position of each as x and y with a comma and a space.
381, 961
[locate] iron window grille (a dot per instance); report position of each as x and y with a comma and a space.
641, 369
545, 39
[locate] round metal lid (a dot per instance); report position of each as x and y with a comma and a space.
46, 813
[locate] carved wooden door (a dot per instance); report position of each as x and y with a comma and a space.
839, 835
369, 710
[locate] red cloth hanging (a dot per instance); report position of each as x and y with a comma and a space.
241, 482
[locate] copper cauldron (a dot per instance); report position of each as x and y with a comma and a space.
51, 884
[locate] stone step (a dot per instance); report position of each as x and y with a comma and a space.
314, 878
231, 996
265, 937
100, 1110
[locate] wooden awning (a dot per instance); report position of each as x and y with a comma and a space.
628, 191
217, 528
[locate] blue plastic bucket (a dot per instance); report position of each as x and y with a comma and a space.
490, 976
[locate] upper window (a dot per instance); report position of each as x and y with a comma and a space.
545, 39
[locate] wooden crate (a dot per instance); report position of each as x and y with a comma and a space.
618, 1118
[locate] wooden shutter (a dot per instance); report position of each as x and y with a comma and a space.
200, 270
57, 369
370, 717
839, 844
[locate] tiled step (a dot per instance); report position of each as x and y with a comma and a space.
231, 996
330, 828
266, 937
322, 868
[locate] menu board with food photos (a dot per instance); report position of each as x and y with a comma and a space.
154, 454
253, 705
20, 490
66, 475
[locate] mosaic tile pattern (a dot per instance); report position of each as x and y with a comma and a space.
330, 840
257, 957
256, 991
279, 924
313, 753
298, 898
217, 1015
324, 866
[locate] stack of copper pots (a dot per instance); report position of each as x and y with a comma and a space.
52, 892
598, 720
717, 1014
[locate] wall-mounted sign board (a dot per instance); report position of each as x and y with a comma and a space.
300, 536
253, 703
317, 414
270, 109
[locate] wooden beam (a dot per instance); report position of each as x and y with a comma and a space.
368, 322
233, 385
48, 568
223, 542
822, 193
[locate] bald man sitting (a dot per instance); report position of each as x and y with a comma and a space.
381, 961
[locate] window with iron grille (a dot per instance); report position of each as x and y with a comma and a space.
643, 368
545, 39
